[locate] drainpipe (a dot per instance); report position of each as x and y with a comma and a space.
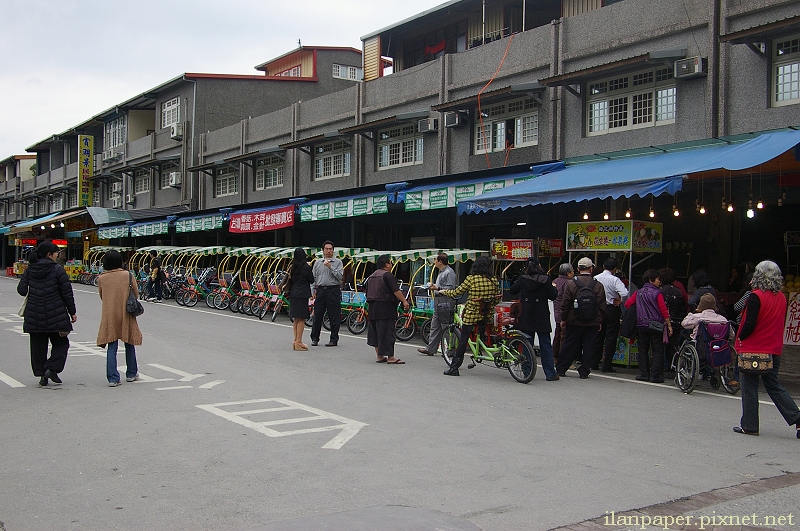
715, 69
190, 149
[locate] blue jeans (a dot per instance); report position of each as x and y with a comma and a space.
111, 362
546, 354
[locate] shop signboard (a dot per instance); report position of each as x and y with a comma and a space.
201, 223
344, 208
611, 236
449, 196
511, 249
85, 169
551, 247
272, 219
24, 242
791, 334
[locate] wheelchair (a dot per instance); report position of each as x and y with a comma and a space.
692, 363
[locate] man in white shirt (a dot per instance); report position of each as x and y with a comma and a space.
616, 293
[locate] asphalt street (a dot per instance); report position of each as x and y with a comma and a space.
231, 429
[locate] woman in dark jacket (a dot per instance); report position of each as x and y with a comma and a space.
299, 281
703, 284
535, 289
49, 313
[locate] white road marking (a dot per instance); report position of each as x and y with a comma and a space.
186, 376
347, 427
10, 381
10, 318
87, 348
171, 388
209, 385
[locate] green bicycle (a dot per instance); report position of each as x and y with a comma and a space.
509, 349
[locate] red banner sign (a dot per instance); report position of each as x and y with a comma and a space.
28, 241
60, 243
549, 247
273, 219
511, 249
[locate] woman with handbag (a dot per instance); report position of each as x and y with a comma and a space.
49, 311
298, 284
653, 327
760, 334
113, 286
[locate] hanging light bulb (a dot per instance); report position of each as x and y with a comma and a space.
585, 215
628, 213
652, 214
760, 204
751, 213
52, 225
730, 207
676, 212
605, 216
724, 204
702, 209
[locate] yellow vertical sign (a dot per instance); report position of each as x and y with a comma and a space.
85, 169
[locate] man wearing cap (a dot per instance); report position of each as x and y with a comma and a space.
616, 292
580, 335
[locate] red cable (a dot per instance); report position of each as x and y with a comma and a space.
480, 115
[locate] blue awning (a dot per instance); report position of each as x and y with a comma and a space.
22, 226
4, 230
626, 177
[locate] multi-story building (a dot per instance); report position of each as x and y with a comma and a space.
480, 91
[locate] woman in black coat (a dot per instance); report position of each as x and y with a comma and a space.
49, 313
299, 281
535, 289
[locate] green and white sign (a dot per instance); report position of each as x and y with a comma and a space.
106, 233
198, 224
348, 208
150, 229
449, 196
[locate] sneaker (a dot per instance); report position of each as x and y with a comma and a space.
150, 299
114, 384
157, 300
134, 378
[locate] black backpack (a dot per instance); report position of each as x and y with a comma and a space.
585, 301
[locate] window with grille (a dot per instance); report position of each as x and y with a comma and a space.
509, 125
786, 71
331, 160
41, 208
166, 168
352, 73
170, 112
141, 181
96, 194
115, 132
72, 199
641, 99
269, 173
57, 203
225, 182
290, 72
399, 146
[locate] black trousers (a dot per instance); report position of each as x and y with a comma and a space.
330, 300
58, 356
651, 354
607, 337
578, 342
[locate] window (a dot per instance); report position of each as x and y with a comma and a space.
507, 125
141, 181
72, 198
115, 132
786, 71
399, 146
57, 203
31, 210
170, 112
348, 72
166, 168
331, 160
225, 182
290, 72
269, 173
643, 99
96, 194
41, 207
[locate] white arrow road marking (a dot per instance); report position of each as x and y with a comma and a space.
348, 427
186, 376
171, 388
209, 385
10, 318
10, 381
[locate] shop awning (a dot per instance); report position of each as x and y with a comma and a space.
450, 194
102, 216
491, 96
150, 228
763, 32
344, 207
4, 230
107, 233
23, 226
382, 123
198, 223
640, 176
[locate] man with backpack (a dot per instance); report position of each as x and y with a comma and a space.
583, 311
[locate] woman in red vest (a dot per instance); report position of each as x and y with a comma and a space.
762, 332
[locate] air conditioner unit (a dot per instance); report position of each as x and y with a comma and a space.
454, 119
691, 67
115, 202
130, 198
176, 132
175, 179
428, 125
116, 188
111, 155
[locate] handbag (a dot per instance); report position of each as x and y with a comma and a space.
754, 363
656, 326
133, 306
21, 311
286, 285
628, 328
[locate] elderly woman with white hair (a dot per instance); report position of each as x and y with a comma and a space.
761, 332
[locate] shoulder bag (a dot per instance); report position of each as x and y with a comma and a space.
754, 363
133, 306
21, 311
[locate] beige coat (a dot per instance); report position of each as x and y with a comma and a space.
115, 322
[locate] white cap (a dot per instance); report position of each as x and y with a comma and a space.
585, 263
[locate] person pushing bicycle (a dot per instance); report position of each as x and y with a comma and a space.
484, 294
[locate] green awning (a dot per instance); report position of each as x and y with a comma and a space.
102, 216
150, 228
106, 233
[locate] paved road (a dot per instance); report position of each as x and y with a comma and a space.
230, 429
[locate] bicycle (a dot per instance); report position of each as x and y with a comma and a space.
509, 349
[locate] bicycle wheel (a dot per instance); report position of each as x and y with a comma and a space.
357, 322
190, 299
209, 299
425, 330
179, 297
234, 304
687, 368
247, 306
257, 306
404, 328
310, 320
519, 351
450, 338
277, 310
